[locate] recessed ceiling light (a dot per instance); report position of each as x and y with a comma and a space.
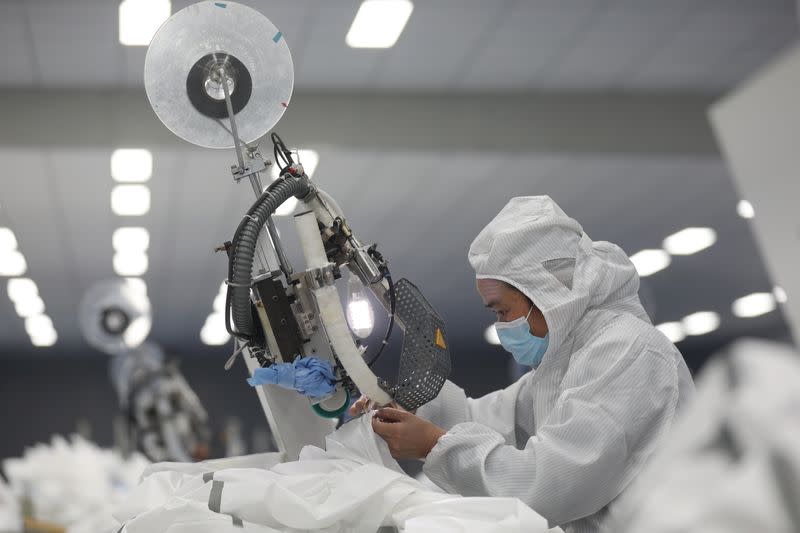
130, 200
219, 302
138, 284
130, 263
379, 23
38, 325
139, 20
672, 330
12, 263
306, 157
130, 239
780, 295
138, 330
690, 241
32, 305
287, 208
756, 304
131, 165
45, 339
213, 332
745, 209
21, 289
490, 335
700, 323
648, 262
8, 241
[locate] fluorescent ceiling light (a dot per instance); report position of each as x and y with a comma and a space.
138, 284
379, 23
45, 339
30, 306
8, 241
140, 19
745, 209
130, 263
131, 165
287, 208
690, 241
219, 303
491, 335
306, 157
213, 332
38, 325
756, 304
780, 295
648, 262
700, 323
130, 200
130, 239
21, 289
137, 331
12, 263
672, 330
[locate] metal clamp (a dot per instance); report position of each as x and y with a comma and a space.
320, 277
253, 166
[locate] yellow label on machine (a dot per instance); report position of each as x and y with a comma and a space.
440, 339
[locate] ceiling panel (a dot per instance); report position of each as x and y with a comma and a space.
439, 43
75, 43
447, 45
19, 66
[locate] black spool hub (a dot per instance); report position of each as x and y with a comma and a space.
200, 72
114, 320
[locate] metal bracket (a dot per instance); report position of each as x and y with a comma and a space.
253, 166
320, 277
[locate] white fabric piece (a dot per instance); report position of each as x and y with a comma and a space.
567, 438
10, 512
732, 463
73, 483
353, 486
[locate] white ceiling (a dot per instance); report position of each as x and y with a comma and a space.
423, 208
422, 213
449, 45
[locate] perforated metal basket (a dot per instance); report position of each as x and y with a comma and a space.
425, 357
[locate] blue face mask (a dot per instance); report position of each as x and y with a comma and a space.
516, 337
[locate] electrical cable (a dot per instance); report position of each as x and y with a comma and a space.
393, 307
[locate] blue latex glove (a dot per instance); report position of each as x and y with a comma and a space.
310, 376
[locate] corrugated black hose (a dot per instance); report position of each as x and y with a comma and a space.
243, 247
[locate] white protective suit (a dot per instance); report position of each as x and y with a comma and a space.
569, 437
354, 486
732, 463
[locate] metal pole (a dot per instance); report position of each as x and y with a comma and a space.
234, 131
286, 266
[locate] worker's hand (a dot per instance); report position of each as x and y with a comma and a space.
408, 436
364, 404
361, 406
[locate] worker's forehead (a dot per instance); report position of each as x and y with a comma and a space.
494, 291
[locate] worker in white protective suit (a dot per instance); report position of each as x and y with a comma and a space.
568, 437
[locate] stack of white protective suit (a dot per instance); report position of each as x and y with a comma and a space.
10, 512
73, 484
732, 462
353, 486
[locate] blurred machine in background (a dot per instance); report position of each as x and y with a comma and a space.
162, 415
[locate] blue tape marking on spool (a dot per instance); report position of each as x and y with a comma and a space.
220, 4
277, 37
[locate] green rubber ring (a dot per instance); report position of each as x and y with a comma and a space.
333, 414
